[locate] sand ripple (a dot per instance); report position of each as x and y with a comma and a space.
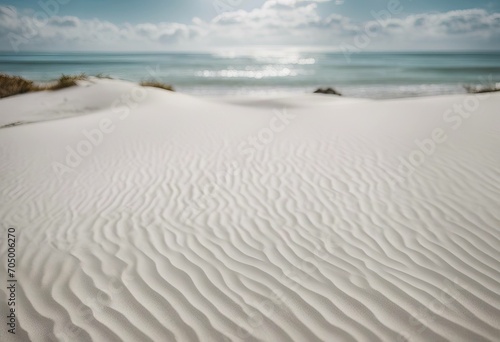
307, 241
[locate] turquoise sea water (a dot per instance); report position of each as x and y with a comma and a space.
372, 75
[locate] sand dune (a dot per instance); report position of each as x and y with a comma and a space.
144, 215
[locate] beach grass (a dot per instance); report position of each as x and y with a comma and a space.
157, 84
13, 85
471, 89
66, 81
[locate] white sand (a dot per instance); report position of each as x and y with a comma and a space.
174, 227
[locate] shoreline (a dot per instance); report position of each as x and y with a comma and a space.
364, 75
262, 92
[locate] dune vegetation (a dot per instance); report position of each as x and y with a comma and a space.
473, 89
157, 84
13, 85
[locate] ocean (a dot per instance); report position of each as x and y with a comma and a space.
367, 75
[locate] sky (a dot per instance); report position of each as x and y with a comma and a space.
186, 25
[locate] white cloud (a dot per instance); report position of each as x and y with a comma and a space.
276, 22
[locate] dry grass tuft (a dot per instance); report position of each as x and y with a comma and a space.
13, 85
66, 81
157, 84
472, 89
